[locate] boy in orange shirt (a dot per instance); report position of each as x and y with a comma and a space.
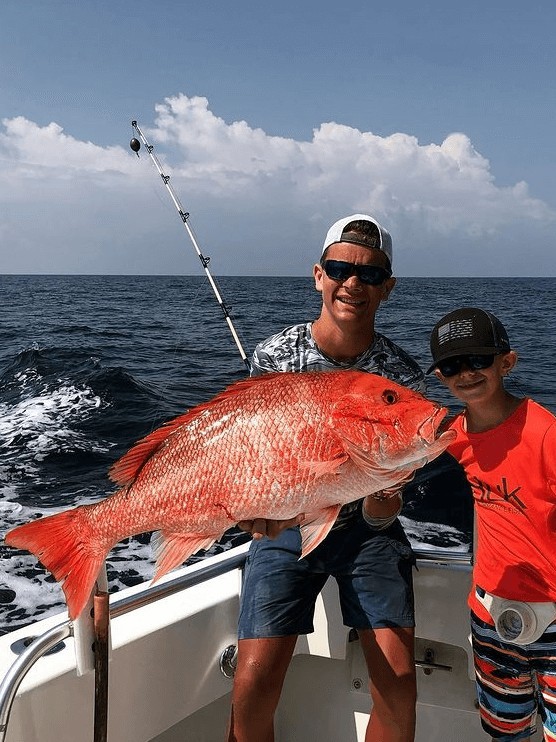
507, 447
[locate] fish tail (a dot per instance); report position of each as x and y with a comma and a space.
65, 545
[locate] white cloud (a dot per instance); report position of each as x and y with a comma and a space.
28, 146
263, 201
451, 183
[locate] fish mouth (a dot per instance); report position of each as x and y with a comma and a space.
433, 440
428, 443
430, 431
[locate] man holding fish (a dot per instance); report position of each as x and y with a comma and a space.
334, 445
366, 550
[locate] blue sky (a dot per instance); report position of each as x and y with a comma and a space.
273, 121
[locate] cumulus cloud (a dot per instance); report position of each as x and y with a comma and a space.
25, 145
448, 185
259, 198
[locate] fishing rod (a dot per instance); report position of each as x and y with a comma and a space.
135, 145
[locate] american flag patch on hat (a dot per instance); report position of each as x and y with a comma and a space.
462, 328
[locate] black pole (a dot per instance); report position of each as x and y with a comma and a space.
101, 615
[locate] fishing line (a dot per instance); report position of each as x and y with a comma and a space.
135, 145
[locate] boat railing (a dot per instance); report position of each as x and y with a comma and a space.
32, 648
445, 559
34, 651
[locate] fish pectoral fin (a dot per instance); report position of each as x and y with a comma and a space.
172, 549
320, 468
315, 527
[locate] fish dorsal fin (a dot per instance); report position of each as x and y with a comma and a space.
125, 470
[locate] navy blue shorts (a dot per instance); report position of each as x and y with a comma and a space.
373, 570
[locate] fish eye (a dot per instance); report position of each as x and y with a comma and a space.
389, 396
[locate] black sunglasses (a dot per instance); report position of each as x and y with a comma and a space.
340, 270
452, 366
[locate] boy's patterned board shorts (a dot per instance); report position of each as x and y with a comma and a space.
514, 682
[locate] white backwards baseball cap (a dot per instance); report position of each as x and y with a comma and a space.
381, 241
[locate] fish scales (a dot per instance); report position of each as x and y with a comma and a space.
241, 454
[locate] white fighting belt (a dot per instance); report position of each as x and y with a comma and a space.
515, 621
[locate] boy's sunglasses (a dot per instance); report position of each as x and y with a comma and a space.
452, 366
340, 270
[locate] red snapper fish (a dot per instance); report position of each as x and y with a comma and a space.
267, 447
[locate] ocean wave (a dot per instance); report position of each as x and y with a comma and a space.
45, 420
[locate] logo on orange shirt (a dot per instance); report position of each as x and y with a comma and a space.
484, 493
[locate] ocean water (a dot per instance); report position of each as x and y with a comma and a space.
90, 364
